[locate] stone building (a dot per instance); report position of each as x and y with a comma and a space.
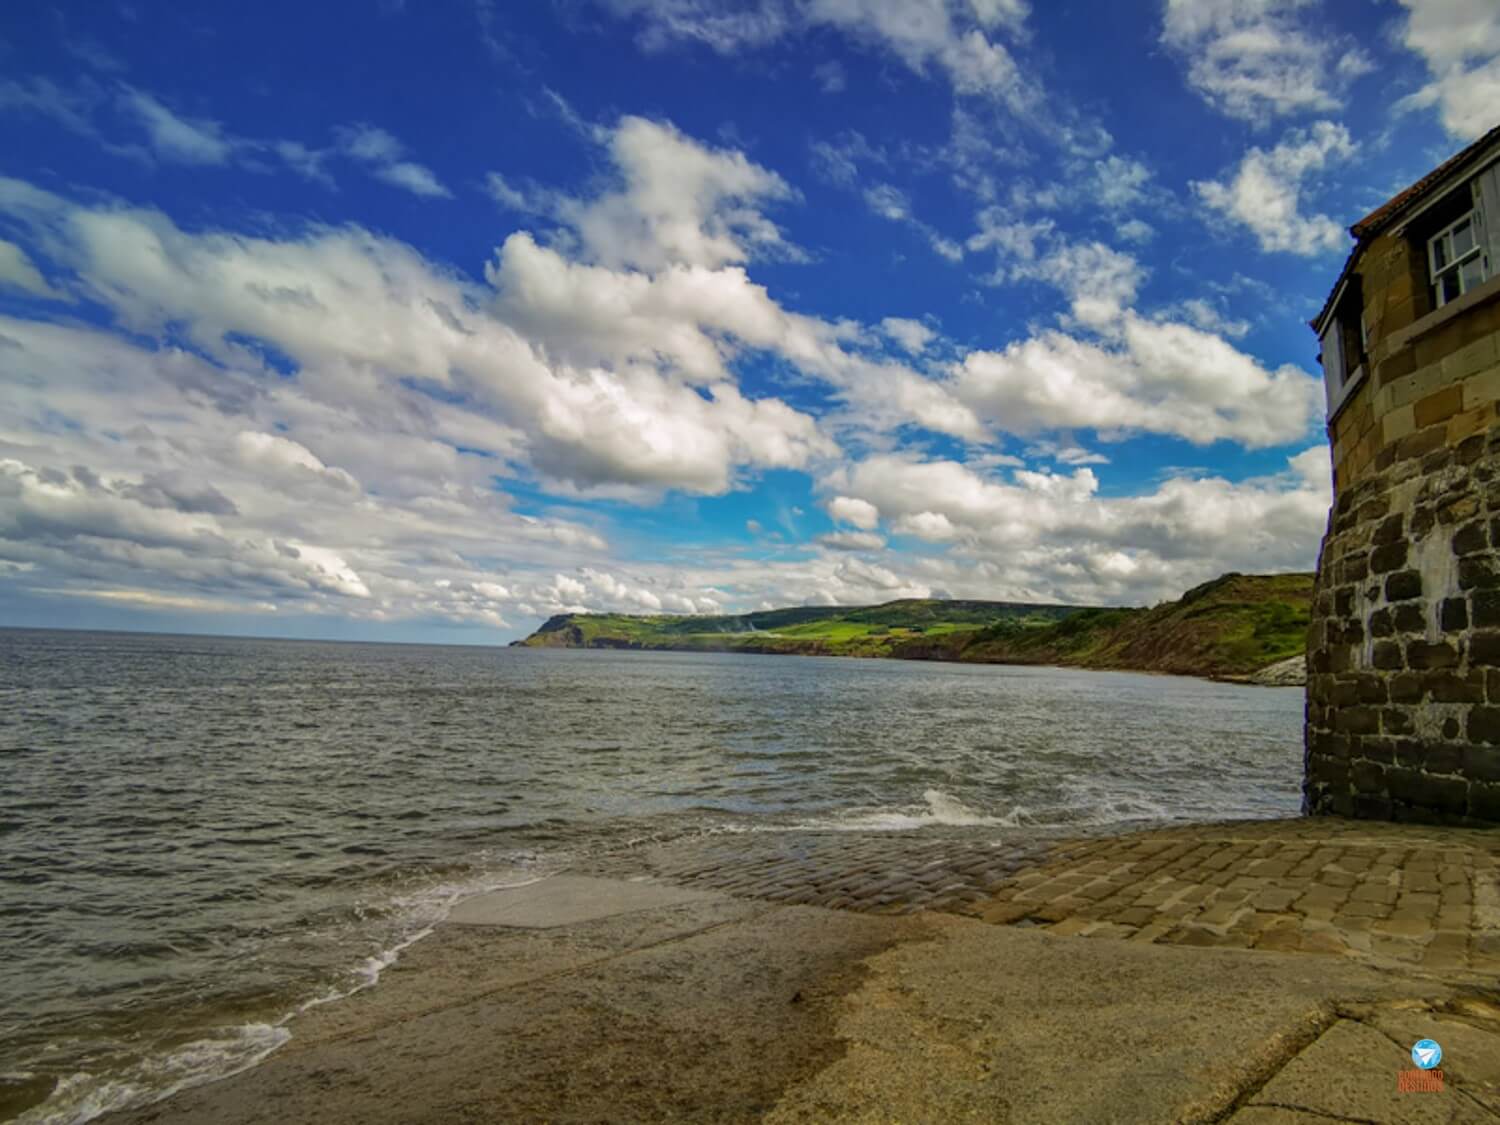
1403, 704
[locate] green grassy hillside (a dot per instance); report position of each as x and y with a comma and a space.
811, 630
1232, 626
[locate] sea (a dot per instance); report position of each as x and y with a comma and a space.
201, 837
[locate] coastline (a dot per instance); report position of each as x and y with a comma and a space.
1250, 678
1254, 964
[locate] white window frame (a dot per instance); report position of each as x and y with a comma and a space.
1455, 265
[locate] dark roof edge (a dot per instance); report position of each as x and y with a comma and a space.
1383, 216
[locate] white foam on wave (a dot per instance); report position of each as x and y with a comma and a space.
83, 1096
941, 809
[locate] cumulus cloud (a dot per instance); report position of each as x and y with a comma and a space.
1459, 40
1158, 377
1053, 535
1264, 193
1260, 59
851, 509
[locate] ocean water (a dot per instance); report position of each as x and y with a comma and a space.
200, 837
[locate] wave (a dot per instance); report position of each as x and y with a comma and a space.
941, 809
84, 1095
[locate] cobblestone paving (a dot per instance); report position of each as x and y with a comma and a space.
1424, 898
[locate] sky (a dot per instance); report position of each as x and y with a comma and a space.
391, 320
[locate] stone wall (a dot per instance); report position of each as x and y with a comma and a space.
1403, 709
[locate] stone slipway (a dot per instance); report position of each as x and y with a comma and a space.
604, 1001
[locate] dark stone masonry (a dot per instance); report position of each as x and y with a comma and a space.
1403, 707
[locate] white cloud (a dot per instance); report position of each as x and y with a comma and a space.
954, 39
18, 271
1259, 59
849, 509
1136, 230
1118, 182
1159, 378
1100, 282
888, 202
1460, 42
1211, 318
384, 154
677, 202
1265, 192
852, 541
182, 140
912, 335
1047, 536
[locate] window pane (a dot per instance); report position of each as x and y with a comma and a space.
1473, 273
1463, 238
1449, 286
1439, 259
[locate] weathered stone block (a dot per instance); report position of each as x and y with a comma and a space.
1485, 605
1391, 530
1357, 720
1423, 520
1471, 537
1367, 777
1354, 568
1409, 618
1371, 688
1404, 584
1458, 509
1470, 449
1482, 763
1438, 406
1453, 615
1430, 791
1388, 655
1447, 686
1343, 601
1406, 688
1431, 654
1484, 648
1477, 572
1396, 720
1484, 802
1421, 443
1388, 557
1484, 724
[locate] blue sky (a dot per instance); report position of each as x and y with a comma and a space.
425, 321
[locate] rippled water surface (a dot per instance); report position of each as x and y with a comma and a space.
199, 836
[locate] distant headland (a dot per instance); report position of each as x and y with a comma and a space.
1235, 627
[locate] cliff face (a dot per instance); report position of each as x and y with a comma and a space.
1231, 627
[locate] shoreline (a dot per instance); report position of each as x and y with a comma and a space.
909, 999
1247, 679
